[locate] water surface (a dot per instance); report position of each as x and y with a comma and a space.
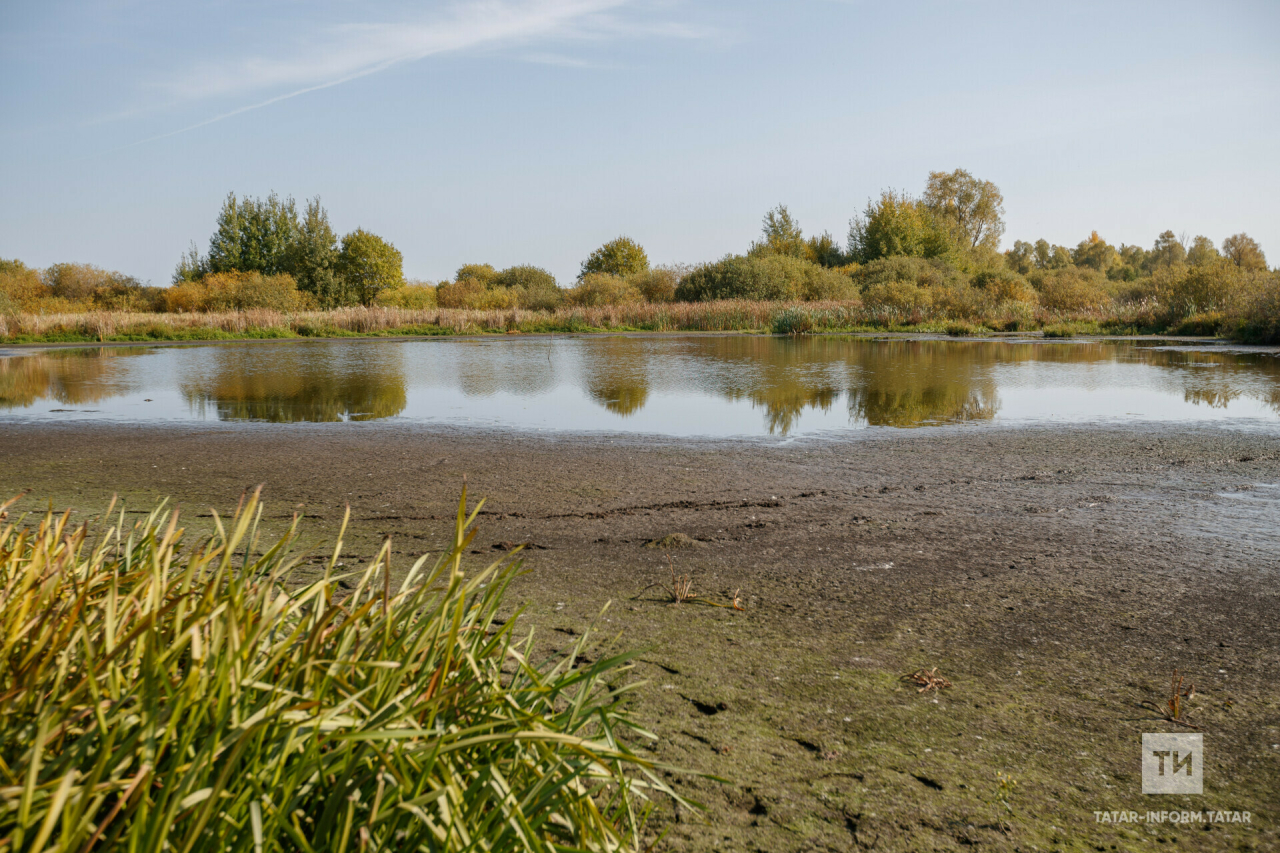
667, 385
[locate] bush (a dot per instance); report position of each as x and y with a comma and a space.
533, 287
1071, 289
1256, 318
763, 277
416, 295
597, 288
1002, 286
1205, 325
463, 293
175, 698
21, 288
622, 257
235, 291
657, 284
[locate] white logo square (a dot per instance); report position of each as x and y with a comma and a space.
1172, 764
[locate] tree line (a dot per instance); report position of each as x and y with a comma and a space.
905, 260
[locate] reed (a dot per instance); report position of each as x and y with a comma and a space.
161, 697
731, 315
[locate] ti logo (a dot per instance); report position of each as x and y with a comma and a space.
1172, 764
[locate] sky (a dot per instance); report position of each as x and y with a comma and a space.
532, 131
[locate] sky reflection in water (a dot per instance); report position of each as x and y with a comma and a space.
679, 386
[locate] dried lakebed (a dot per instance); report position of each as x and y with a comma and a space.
1056, 576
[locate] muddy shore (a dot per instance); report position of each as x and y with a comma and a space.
1056, 576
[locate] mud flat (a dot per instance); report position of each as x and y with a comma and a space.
1056, 576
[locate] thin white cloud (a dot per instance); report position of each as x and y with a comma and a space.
343, 53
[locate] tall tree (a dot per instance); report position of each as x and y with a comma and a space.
1202, 252
253, 235
1244, 252
369, 265
1094, 253
781, 235
1167, 251
971, 209
224, 245
312, 257
897, 224
1051, 257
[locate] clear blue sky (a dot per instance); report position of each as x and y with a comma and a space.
531, 131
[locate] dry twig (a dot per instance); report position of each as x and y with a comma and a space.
929, 679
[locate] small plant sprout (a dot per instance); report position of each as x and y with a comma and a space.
681, 590
1006, 786
1173, 709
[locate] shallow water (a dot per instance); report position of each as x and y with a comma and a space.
668, 385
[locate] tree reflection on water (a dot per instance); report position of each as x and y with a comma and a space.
74, 377
294, 384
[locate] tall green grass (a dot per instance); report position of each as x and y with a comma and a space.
199, 698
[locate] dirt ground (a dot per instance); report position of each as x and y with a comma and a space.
1055, 576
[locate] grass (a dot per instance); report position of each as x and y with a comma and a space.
162, 697
379, 321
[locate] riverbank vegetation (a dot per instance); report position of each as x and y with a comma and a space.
928, 263
214, 697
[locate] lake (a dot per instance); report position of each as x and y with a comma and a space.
715, 386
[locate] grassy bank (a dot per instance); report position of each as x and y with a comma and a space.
720, 316
162, 697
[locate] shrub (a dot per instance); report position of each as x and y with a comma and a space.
763, 277
533, 287
621, 257
1001, 286
733, 277
657, 284
205, 698
902, 269
483, 273
1206, 324
235, 291
1256, 318
463, 293
596, 288
1071, 289
21, 288
417, 295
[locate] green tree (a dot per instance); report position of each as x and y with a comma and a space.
1094, 253
824, 251
191, 267
972, 210
1202, 252
622, 257
534, 287
1167, 251
483, 273
1245, 252
1051, 257
781, 235
895, 225
253, 235
1021, 258
312, 258
369, 265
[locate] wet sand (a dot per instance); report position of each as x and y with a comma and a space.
1055, 576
